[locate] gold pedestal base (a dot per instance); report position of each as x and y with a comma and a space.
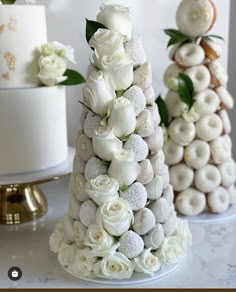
21, 204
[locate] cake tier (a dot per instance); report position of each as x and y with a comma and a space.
22, 31
33, 133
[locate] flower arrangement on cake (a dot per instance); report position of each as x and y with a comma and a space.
121, 218
198, 147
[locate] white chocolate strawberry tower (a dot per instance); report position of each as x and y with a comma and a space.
121, 217
198, 149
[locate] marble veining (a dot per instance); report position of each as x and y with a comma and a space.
211, 263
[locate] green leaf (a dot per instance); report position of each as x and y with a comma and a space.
214, 37
8, 2
120, 93
163, 111
176, 37
186, 90
73, 78
91, 28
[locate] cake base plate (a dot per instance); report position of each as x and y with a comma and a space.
210, 218
137, 278
21, 200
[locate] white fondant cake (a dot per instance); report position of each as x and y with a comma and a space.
33, 132
22, 31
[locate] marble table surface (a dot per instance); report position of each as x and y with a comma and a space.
210, 263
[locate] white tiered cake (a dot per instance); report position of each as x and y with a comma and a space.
33, 133
121, 220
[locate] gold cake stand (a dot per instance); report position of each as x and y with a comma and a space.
21, 199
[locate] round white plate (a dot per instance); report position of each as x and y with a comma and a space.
210, 218
137, 278
58, 171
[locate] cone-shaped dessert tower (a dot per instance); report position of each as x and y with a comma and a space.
198, 148
121, 217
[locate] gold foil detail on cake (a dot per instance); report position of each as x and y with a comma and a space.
2, 28
11, 61
6, 76
12, 24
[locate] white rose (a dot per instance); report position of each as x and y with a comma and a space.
124, 168
101, 243
57, 237
97, 94
147, 263
107, 43
115, 266
105, 143
122, 118
83, 265
66, 255
116, 18
66, 52
170, 251
115, 216
52, 69
118, 71
184, 234
102, 189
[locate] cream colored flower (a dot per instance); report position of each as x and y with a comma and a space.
57, 237
184, 234
83, 265
124, 168
102, 189
122, 118
115, 216
116, 18
105, 143
66, 255
147, 263
115, 266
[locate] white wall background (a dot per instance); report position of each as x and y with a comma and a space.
66, 23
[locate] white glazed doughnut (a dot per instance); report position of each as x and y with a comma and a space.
168, 194
181, 177
155, 188
209, 128
190, 202
158, 162
218, 75
87, 213
200, 76
170, 224
232, 194
221, 149
144, 221
155, 237
171, 76
206, 102
195, 18
226, 121
182, 132
173, 50
212, 50
197, 154
189, 55
207, 179
136, 196
218, 201
131, 244
174, 104
228, 173
156, 141
173, 153
225, 97
146, 174
161, 210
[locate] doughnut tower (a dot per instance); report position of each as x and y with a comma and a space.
121, 218
198, 149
